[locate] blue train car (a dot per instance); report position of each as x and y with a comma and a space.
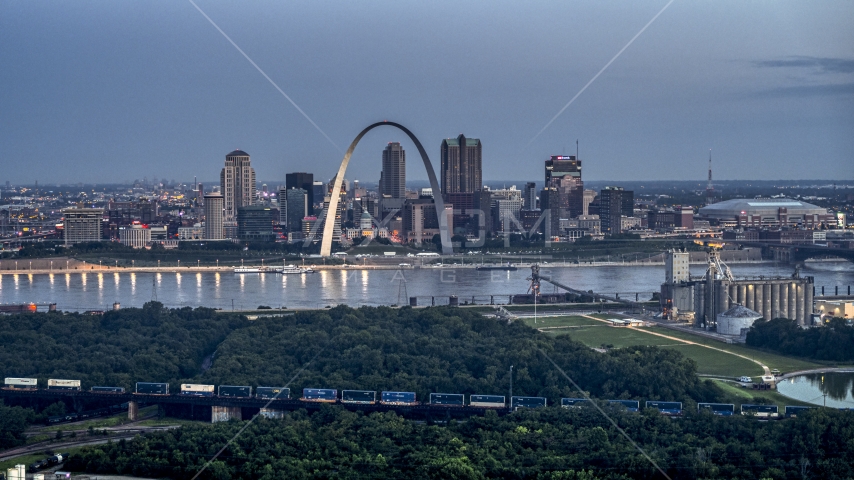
324, 395
449, 399
574, 402
238, 391
268, 393
368, 397
666, 408
398, 398
631, 405
488, 401
527, 402
150, 388
722, 409
107, 390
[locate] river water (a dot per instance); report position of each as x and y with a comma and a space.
812, 388
91, 291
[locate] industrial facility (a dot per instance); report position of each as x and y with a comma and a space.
702, 299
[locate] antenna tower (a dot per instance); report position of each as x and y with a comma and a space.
710, 189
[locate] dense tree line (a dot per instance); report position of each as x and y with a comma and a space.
118, 348
551, 443
448, 350
833, 342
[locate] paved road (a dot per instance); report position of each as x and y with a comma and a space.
81, 441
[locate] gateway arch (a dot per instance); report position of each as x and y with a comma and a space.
329, 223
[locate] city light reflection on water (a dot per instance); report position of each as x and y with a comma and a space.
358, 287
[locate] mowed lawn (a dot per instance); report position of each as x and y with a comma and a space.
561, 321
709, 362
780, 362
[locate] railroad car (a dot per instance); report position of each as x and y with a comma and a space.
198, 390
107, 390
574, 402
234, 391
795, 410
13, 383
762, 411
527, 402
722, 409
398, 398
666, 408
151, 388
323, 395
448, 399
631, 405
268, 393
59, 384
488, 401
366, 397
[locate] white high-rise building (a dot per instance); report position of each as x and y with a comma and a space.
237, 180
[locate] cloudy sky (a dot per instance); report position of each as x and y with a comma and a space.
111, 91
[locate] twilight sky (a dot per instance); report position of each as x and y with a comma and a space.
106, 91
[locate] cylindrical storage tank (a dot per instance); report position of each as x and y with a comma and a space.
699, 304
799, 306
748, 302
723, 298
733, 294
766, 301
791, 314
454, 301
809, 305
742, 294
758, 297
784, 300
735, 319
775, 300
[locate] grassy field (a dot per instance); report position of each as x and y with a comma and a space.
598, 334
784, 364
713, 362
745, 395
563, 321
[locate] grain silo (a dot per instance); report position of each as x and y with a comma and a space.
737, 318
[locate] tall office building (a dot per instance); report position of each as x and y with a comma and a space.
293, 207
213, 216
237, 180
304, 181
462, 169
614, 203
393, 177
529, 196
563, 194
82, 225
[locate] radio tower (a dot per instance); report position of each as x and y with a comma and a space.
710, 189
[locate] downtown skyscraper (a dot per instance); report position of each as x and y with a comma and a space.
237, 182
462, 169
393, 176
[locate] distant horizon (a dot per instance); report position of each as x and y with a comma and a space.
846, 183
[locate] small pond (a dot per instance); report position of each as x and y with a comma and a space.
835, 388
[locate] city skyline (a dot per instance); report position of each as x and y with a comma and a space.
768, 89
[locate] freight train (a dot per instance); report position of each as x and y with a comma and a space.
395, 398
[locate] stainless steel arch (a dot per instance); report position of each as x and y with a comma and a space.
329, 223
